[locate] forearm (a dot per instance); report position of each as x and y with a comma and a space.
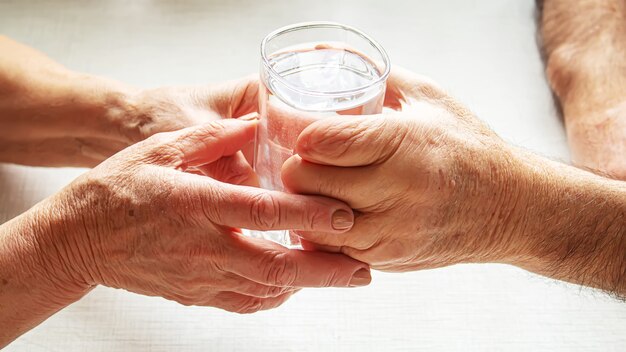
583, 22
571, 225
584, 49
584, 45
42, 103
36, 277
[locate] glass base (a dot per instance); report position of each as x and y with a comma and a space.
284, 238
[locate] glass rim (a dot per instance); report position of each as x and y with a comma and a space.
323, 24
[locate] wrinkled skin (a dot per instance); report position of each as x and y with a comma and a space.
71, 138
408, 175
172, 108
141, 223
53, 116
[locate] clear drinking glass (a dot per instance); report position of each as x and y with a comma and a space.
310, 71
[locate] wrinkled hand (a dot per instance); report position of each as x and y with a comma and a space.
428, 182
53, 116
87, 122
143, 224
150, 111
172, 108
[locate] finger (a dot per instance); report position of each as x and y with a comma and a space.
199, 145
259, 209
311, 246
234, 98
255, 289
404, 86
350, 184
231, 169
254, 208
238, 303
363, 236
249, 149
271, 264
352, 140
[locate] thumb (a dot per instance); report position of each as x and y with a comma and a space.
198, 145
234, 99
404, 86
233, 169
351, 140
269, 264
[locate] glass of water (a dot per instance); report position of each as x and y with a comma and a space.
310, 71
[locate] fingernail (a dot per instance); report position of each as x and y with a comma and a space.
249, 117
342, 220
361, 278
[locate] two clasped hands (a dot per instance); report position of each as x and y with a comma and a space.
424, 186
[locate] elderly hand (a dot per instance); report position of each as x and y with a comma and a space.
430, 184
139, 222
65, 135
52, 116
149, 111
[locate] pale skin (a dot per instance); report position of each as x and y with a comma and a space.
52, 116
584, 44
431, 186
161, 217
445, 189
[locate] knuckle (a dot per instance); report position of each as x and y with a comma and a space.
429, 89
386, 138
335, 141
182, 299
272, 291
265, 211
281, 270
333, 278
186, 301
162, 149
361, 255
250, 305
210, 131
217, 128
418, 85
210, 204
312, 217
366, 138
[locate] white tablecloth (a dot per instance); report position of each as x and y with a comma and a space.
483, 51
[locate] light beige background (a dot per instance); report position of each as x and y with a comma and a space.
483, 51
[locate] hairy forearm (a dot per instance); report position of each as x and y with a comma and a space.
46, 110
572, 225
36, 277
